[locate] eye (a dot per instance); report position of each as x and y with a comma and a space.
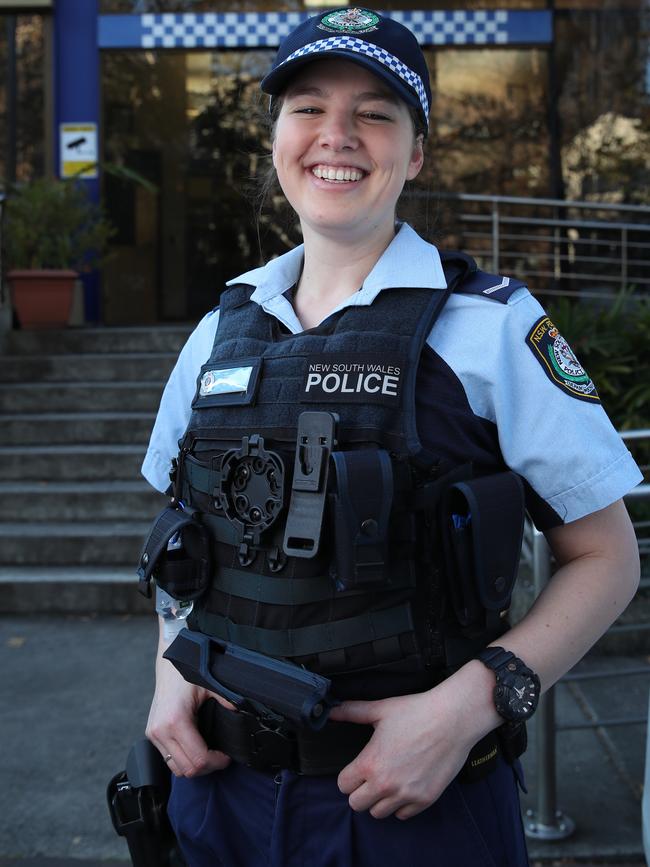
376, 116
306, 109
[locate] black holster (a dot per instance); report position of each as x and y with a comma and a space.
137, 803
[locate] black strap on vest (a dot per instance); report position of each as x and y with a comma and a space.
308, 640
456, 266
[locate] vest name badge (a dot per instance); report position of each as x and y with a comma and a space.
354, 378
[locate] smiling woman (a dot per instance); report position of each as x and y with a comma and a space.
343, 149
371, 420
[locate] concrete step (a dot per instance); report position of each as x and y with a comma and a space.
62, 544
79, 501
57, 428
148, 338
90, 590
71, 462
34, 397
95, 367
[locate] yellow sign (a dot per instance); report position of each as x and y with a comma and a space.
78, 150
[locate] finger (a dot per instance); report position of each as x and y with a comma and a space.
363, 798
384, 808
216, 761
180, 764
356, 712
409, 810
191, 752
351, 777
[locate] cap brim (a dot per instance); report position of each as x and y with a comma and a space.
276, 80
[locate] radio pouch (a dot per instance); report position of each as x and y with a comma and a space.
484, 524
361, 515
176, 554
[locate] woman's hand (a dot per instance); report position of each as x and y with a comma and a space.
171, 726
419, 744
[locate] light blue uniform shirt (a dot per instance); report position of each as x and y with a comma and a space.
567, 449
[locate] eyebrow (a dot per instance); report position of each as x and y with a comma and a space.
313, 90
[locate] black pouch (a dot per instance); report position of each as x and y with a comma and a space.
137, 803
361, 510
176, 554
483, 529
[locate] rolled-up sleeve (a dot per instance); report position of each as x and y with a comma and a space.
176, 403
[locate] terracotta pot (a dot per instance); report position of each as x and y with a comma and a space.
42, 299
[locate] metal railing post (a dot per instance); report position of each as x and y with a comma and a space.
495, 237
623, 257
546, 822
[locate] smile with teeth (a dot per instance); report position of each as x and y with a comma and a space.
337, 174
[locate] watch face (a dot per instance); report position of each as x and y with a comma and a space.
517, 696
523, 696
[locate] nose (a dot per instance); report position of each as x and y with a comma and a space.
337, 131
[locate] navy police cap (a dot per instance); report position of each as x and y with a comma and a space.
385, 47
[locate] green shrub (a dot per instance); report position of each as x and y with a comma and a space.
613, 345
54, 224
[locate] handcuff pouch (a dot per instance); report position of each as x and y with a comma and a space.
176, 554
484, 521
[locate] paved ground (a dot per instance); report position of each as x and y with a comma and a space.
75, 694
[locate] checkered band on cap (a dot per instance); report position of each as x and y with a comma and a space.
375, 52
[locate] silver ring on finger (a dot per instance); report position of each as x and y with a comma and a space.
168, 758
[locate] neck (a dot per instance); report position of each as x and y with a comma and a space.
333, 270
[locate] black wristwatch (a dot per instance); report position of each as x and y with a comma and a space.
517, 691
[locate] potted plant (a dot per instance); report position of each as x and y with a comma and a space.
52, 231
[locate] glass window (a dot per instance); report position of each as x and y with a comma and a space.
194, 124
602, 62
28, 128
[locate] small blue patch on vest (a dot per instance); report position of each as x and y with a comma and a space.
490, 286
222, 384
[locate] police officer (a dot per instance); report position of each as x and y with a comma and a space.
333, 324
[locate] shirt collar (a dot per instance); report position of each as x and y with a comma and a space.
408, 261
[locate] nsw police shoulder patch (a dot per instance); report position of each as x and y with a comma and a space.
559, 362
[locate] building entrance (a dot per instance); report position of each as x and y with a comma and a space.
194, 126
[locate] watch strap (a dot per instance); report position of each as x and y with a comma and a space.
495, 657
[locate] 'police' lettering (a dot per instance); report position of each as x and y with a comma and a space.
354, 378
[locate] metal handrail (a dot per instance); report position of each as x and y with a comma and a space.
565, 240
2, 273
547, 822
522, 200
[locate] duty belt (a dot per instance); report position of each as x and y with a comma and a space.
246, 739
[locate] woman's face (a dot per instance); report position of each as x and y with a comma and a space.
344, 146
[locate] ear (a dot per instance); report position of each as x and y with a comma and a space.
417, 158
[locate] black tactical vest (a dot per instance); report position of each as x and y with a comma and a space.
302, 459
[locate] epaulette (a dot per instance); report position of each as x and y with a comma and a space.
490, 286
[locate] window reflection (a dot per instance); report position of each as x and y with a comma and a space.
193, 123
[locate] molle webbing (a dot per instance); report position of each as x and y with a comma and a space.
390, 332
310, 640
360, 602
284, 591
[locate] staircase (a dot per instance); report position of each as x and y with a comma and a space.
76, 410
